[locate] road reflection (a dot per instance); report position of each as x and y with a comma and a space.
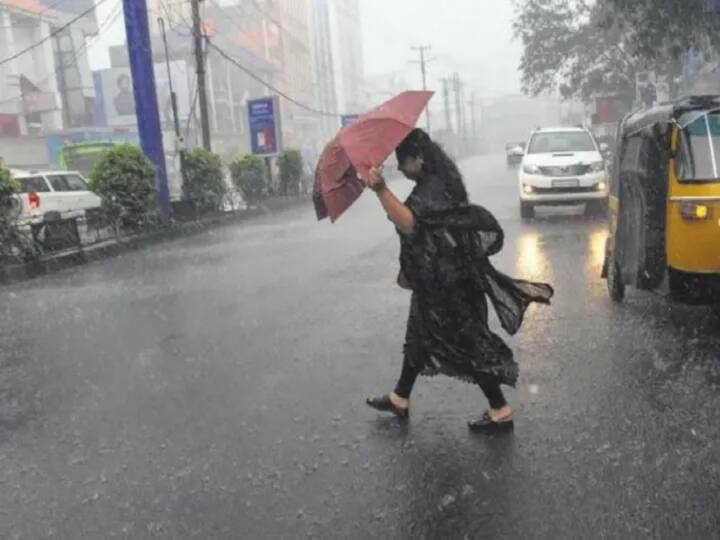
531, 261
596, 253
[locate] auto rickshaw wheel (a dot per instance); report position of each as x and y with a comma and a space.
615, 285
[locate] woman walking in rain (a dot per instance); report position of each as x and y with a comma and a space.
445, 243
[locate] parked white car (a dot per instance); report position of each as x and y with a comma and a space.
562, 166
65, 193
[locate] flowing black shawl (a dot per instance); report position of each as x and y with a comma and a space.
446, 261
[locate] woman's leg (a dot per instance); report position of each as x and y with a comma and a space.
408, 376
398, 401
499, 416
491, 388
412, 349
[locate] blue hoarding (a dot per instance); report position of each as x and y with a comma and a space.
264, 120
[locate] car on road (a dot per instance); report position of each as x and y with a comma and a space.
64, 192
562, 166
514, 153
51, 203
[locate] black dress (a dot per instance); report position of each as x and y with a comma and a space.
445, 260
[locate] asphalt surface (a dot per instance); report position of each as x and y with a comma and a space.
213, 387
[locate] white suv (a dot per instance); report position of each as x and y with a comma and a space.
562, 166
64, 193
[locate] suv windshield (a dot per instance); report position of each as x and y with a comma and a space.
699, 149
561, 141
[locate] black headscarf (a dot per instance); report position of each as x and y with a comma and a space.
435, 162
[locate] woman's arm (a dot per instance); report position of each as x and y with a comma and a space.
398, 213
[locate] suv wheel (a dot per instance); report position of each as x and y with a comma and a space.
527, 210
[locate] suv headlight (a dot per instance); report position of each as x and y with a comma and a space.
597, 166
531, 169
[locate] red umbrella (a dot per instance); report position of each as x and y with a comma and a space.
360, 146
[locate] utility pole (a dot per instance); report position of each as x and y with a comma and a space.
62, 82
423, 62
473, 119
137, 35
459, 109
173, 104
446, 100
472, 115
173, 97
200, 69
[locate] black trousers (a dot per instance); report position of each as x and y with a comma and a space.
487, 383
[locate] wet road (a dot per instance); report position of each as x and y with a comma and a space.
213, 388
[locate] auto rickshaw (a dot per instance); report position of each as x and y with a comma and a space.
664, 205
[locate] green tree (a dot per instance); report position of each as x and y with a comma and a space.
662, 30
583, 48
204, 182
566, 48
248, 175
8, 187
125, 179
291, 168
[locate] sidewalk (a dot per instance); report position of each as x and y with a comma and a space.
112, 247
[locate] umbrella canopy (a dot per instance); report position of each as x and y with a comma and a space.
359, 147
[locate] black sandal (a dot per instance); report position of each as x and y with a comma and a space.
487, 425
383, 403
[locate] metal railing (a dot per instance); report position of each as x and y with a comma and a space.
24, 241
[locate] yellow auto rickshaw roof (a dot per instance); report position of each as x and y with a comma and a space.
666, 113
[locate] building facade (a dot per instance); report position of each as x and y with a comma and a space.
48, 88
337, 60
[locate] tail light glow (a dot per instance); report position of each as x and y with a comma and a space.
34, 200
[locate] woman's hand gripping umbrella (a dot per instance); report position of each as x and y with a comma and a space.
345, 165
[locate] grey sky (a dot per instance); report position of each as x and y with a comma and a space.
473, 37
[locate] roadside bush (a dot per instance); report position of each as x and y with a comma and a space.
8, 187
248, 175
290, 164
125, 179
204, 183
